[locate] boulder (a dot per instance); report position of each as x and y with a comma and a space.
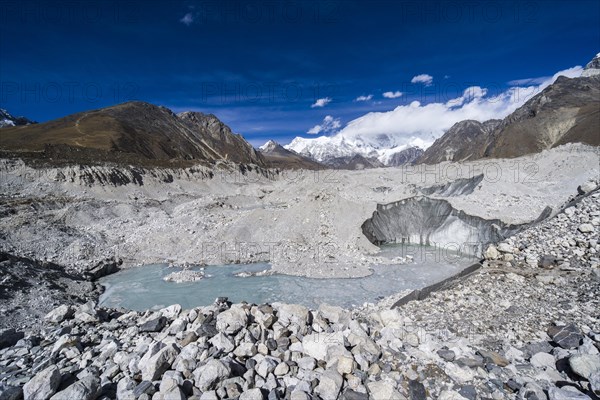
330, 384
59, 314
586, 228
43, 385
251, 394
333, 314
103, 268
316, 345
416, 390
595, 382
383, 390
154, 324
222, 343
543, 360
281, 369
245, 350
11, 393
211, 373
505, 248
532, 391
144, 387
171, 312
88, 388
159, 362
232, 321
125, 388
567, 337
586, 187
307, 363
266, 366
585, 365
566, 393
288, 314
9, 337
491, 253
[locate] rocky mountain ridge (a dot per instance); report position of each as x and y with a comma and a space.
279, 157
7, 120
133, 132
566, 111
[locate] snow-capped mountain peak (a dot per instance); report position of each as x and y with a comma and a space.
269, 146
327, 148
6, 119
593, 67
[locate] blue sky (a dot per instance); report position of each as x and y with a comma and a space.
262, 66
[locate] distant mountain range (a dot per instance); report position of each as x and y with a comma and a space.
141, 133
338, 151
7, 120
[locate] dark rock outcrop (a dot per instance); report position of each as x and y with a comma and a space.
405, 157
465, 140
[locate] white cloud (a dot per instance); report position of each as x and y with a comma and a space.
328, 125
423, 123
529, 81
187, 19
364, 98
392, 95
423, 78
321, 102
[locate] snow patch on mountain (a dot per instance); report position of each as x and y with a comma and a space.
269, 146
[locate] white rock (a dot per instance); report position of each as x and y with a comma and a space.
171, 312
59, 314
317, 344
251, 394
565, 393
505, 248
43, 384
281, 369
295, 314
491, 253
211, 373
222, 342
383, 390
333, 314
159, 363
461, 375
330, 383
585, 365
88, 388
266, 366
232, 321
543, 360
586, 228
586, 187
245, 350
